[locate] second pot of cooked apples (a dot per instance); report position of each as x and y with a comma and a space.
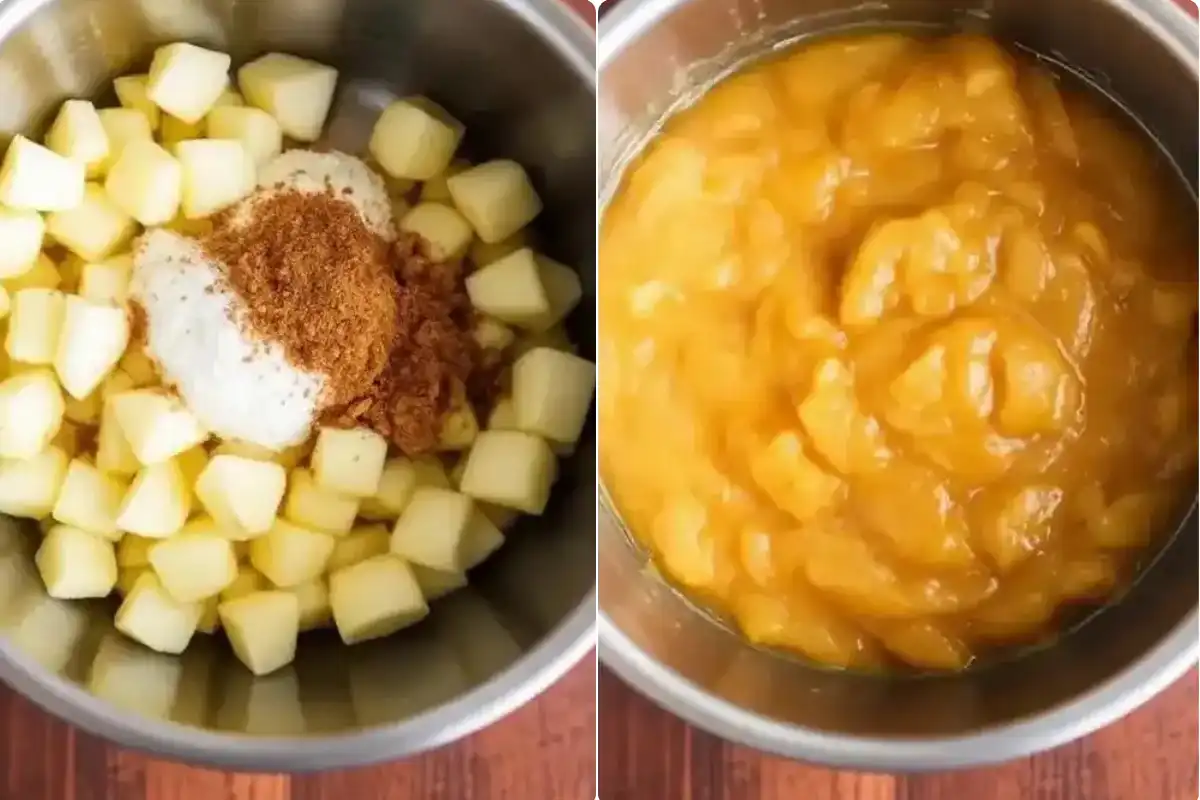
518, 77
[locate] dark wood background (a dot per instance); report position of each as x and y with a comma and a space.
646, 754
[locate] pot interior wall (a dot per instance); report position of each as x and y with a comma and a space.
690, 47
491, 65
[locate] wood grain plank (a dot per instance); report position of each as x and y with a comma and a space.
646, 754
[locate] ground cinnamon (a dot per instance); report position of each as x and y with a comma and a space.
314, 278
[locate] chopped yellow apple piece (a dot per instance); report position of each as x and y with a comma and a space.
37, 178
313, 599
216, 174
551, 394
262, 628
315, 507
431, 529
242, 493
95, 228
289, 555
35, 325
151, 616
295, 91
158, 502
496, 198
22, 232
75, 564
107, 281
121, 126
113, 453
93, 338
78, 134
29, 486
156, 425
134, 551
415, 138
31, 412
133, 94
90, 500
436, 584
360, 544
146, 182
194, 567
186, 80
375, 598
248, 581
511, 469
349, 462
445, 232
510, 289
257, 130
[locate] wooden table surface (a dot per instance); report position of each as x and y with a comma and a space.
646, 754
542, 751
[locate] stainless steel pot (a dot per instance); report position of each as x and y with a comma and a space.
520, 74
657, 54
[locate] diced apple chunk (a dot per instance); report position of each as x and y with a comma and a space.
313, 598
174, 130
551, 394
35, 325
315, 507
93, 229
360, 544
436, 584
134, 551
445, 232
121, 126
511, 290
503, 416
113, 453
248, 581
349, 462
216, 174
435, 190
37, 178
496, 198
107, 281
229, 99
511, 469
484, 253
42, 275
156, 425
431, 529
401, 476
133, 93
289, 555
22, 232
492, 334
563, 290
29, 486
151, 616
242, 493
482, 538
77, 134
31, 412
210, 616
90, 500
75, 564
186, 80
295, 91
257, 130
158, 502
194, 567
459, 428
375, 598
146, 182
237, 447
94, 335
262, 628
415, 138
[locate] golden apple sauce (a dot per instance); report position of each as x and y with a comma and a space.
898, 350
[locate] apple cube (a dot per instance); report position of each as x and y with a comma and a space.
551, 393
94, 335
288, 555
511, 290
315, 507
156, 425
90, 500
349, 462
435, 190
431, 529
401, 477
415, 138
496, 198
151, 616
360, 544
216, 174
210, 616
146, 182
563, 290
29, 486
459, 428
121, 126
75, 564
37, 178
139, 366
194, 567
257, 130
375, 598
134, 551
107, 281
444, 231
483, 253
503, 518
128, 578
37, 320
481, 538
22, 232
42, 275
237, 447
511, 469
228, 99
158, 502
95, 228
174, 130
78, 134
262, 628
113, 453
295, 91
248, 581
492, 334
242, 493
133, 93
313, 598
31, 412
185, 80
503, 416
192, 463
435, 583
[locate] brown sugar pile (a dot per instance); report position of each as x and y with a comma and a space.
388, 327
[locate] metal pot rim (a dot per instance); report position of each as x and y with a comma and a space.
564, 647
1101, 705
